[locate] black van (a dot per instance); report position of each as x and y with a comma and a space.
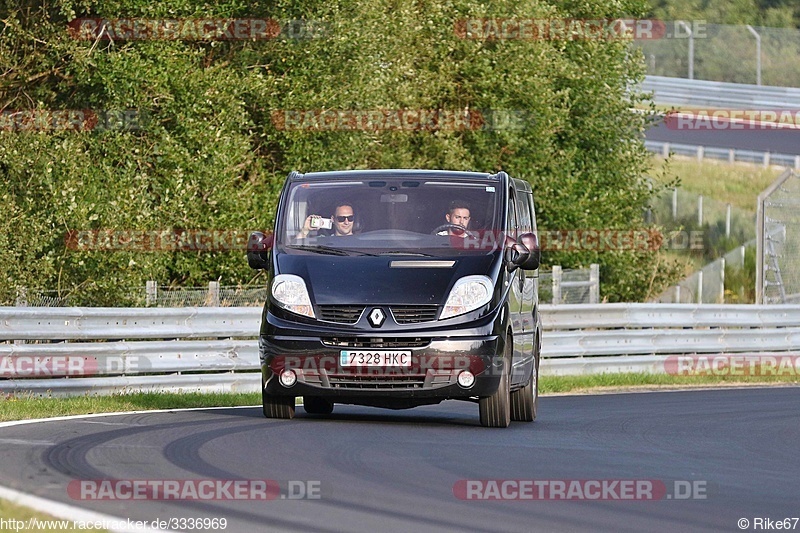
399, 288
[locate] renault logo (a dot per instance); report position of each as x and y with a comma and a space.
376, 317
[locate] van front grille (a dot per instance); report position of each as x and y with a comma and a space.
375, 342
376, 382
343, 314
411, 314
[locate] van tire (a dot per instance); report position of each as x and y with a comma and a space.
277, 406
495, 410
314, 405
525, 401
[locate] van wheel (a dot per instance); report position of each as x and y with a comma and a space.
495, 410
314, 405
277, 406
525, 401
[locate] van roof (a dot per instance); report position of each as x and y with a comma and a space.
395, 173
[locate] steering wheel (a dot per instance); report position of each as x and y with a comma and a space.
452, 226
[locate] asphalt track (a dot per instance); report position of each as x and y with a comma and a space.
777, 141
381, 470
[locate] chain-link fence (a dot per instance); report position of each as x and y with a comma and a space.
721, 52
578, 286
709, 284
556, 286
153, 295
695, 223
778, 258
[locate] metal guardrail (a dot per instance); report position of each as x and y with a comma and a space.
719, 94
724, 154
126, 350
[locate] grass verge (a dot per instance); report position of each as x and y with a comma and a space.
28, 519
625, 382
738, 184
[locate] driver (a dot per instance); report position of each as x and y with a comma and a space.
342, 222
458, 215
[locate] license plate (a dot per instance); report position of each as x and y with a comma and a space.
375, 358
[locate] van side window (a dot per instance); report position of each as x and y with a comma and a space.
512, 215
523, 206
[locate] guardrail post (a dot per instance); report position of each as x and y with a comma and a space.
766, 159
731, 156
213, 294
797, 162
556, 284
594, 283
665, 150
701, 151
151, 293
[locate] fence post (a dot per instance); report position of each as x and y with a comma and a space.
677, 294
151, 293
21, 301
728, 221
22, 297
700, 286
594, 283
556, 284
213, 294
722, 282
674, 203
700, 210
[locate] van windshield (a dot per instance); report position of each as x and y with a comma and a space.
391, 216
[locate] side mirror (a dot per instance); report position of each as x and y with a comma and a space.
516, 255
532, 244
258, 247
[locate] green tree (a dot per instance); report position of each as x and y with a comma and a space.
211, 154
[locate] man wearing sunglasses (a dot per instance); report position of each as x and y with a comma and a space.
343, 220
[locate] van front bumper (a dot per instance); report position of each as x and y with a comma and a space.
431, 376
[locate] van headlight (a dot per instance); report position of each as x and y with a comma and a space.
469, 293
290, 292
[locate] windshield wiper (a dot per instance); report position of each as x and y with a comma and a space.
405, 252
316, 248
320, 249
